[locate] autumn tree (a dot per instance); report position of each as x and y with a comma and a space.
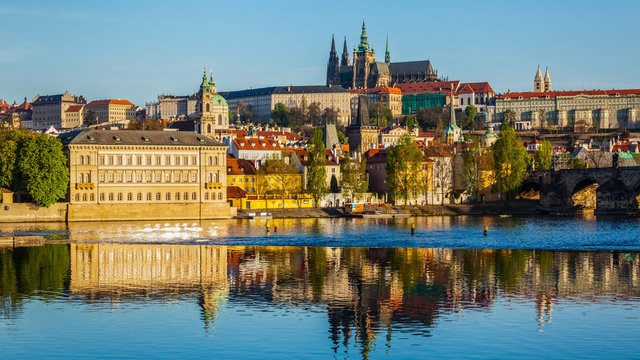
316, 168
510, 162
283, 179
329, 116
146, 124
430, 118
405, 175
543, 157
354, 177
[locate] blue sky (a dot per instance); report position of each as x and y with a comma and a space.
136, 50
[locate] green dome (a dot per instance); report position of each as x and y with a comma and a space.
490, 135
217, 100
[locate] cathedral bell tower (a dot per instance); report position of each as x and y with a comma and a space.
214, 110
363, 56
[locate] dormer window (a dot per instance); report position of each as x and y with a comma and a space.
145, 139
91, 138
173, 139
116, 138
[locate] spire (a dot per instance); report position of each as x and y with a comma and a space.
204, 86
345, 55
538, 74
453, 111
333, 46
364, 46
387, 55
546, 75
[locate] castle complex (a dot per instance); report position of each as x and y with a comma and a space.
366, 72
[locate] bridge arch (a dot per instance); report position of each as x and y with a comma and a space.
582, 194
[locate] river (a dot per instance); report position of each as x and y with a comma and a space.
324, 288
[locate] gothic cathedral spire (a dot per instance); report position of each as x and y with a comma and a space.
333, 67
387, 55
345, 55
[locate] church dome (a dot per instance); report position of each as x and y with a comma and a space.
217, 100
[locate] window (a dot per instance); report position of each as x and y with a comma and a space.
148, 162
129, 160
220, 196
101, 196
148, 196
129, 197
177, 196
185, 177
81, 178
158, 160
77, 197
215, 160
102, 177
110, 196
148, 176
194, 196
119, 177
177, 160
119, 159
158, 196
119, 196
81, 160
139, 160
206, 196
194, 160
101, 160
176, 177
210, 161
167, 160
194, 177
158, 177
167, 177
129, 177
139, 177
185, 196
185, 160
167, 196
139, 197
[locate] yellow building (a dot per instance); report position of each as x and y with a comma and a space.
112, 111
169, 174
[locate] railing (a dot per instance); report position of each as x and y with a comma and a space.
216, 185
84, 186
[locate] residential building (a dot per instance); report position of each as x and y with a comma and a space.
116, 174
389, 96
75, 114
172, 107
366, 72
50, 110
16, 116
478, 94
300, 161
112, 111
389, 136
255, 149
262, 101
241, 173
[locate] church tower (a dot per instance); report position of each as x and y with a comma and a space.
333, 67
547, 81
345, 62
362, 135
538, 86
387, 55
213, 108
363, 56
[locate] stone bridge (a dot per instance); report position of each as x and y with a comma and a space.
605, 190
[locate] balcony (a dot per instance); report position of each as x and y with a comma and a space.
84, 186
215, 185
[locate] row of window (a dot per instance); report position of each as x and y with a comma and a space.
148, 176
147, 160
168, 196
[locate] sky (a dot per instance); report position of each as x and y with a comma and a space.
136, 50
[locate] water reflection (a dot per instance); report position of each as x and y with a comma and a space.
368, 294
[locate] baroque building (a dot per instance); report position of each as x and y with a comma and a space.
212, 109
50, 110
366, 72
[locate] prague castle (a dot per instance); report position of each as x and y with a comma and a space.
366, 72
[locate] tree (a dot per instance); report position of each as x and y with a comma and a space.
329, 116
314, 114
543, 157
510, 162
430, 118
8, 157
283, 176
90, 118
342, 137
316, 168
405, 175
408, 121
472, 169
146, 124
281, 115
244, 112
509, 117
43, 170
333, 187
575, 163
354, 177
380, 114
470, 116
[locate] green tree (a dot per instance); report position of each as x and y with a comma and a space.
472, 167
543, 157
470, 116
509, 117
244, 112
283, 176
408, 121
380, 114
342, 137
314, 114
430, 118
510, 162
354, 177
90, 118
316, 168
43, 169
146, 124
8, 157
333, 187
281, 115
405, 175
329, 116
575, 163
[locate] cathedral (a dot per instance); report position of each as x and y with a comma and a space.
367, 73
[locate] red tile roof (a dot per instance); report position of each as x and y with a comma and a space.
240, 167
256, 144
432, 87
377, 90
553, 94
110, 102
234, 192
288, 135
74, 108
477, 87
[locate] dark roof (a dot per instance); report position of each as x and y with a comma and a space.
137, 137
184, 125
312, 89
234, 192
380, 68
411, 67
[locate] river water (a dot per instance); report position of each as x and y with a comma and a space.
324, 288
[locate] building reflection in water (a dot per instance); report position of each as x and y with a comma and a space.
369, 294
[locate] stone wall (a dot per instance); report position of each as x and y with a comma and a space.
24, 212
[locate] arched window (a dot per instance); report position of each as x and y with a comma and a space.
81, 160
209, 178
81, 177
186, 196
208, 107
84, 197
206, 196
194, 196
219, 119
208, 128
220, 196
88, 162
167, 196
77, 197
210, 160
158, 196
148, 196
215, 177
215, 160
177, 196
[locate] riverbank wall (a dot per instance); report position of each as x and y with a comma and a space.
63, 212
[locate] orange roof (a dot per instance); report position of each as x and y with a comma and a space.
74, 108
240, 167
256, 144
477, 87
377, 90
345, 147
433, 87
288, 135
110, 102
553, 94
234, 192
